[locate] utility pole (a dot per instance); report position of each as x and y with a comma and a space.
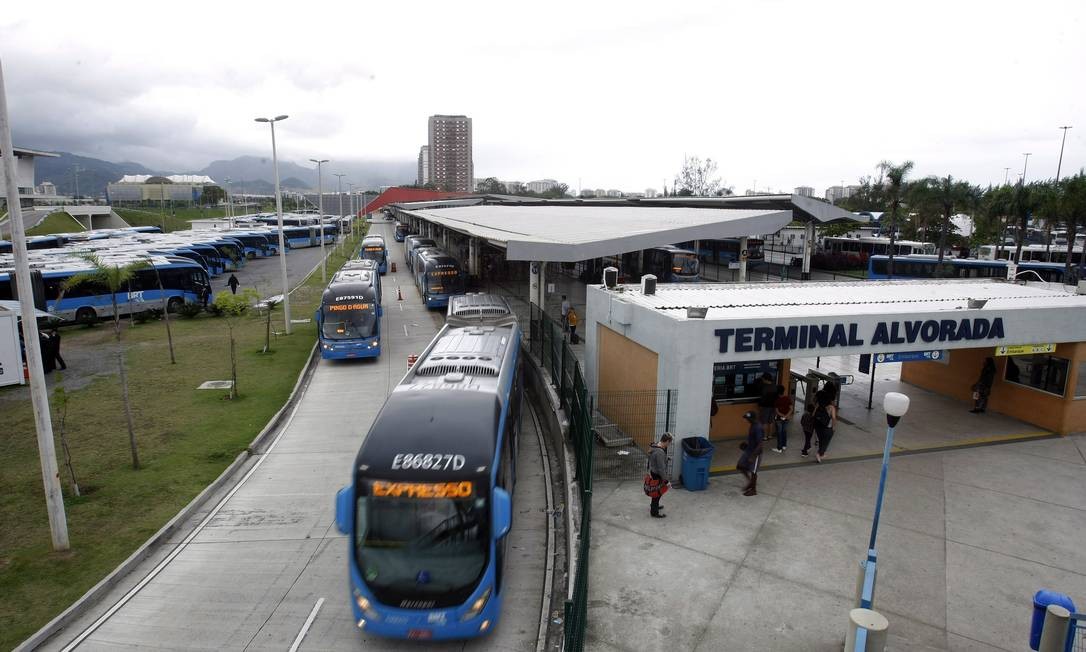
279, 220
1024, 164
339, 191
1006, 175
39, 398
320, 209
1063, 141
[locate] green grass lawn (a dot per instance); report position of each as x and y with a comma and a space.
58, 222
186, 438
174, 219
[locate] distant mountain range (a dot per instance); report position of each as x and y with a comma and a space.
247, 174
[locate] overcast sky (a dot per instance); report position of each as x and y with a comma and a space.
605, 95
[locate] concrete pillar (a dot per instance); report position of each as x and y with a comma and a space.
1054, 632
537, 283
743, 260
473, 257
808, 248
876, 626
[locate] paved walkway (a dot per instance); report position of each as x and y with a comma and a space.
967, 537
249, 577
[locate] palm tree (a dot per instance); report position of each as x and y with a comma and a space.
1074, 205
895, 188
113, 278
951, 195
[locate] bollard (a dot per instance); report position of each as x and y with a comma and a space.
1054, 633
393, 267
875, 625
861, 580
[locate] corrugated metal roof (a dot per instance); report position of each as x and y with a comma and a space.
572, 233
814, 300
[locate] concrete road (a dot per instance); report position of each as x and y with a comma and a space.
249, 576
263, 275
966, 538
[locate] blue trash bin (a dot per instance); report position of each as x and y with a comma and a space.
697, 457
1041, 600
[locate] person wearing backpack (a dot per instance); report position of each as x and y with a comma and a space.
825, 419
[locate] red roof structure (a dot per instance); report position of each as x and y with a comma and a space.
398, 195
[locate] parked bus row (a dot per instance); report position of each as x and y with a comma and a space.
430, 502
956, 268
437, 275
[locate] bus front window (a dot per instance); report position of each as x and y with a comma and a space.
348, 320
684, 264
373, 253
444, 281
421, 542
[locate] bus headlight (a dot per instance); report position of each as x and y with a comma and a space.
366, 607
477, 606
374, 343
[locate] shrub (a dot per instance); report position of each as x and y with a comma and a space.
190, 310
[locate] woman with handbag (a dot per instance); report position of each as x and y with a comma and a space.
983, 387
656, 480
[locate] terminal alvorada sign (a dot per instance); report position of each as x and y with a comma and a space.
849, 335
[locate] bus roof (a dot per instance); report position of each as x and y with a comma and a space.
474, 309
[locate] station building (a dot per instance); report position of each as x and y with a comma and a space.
712, 343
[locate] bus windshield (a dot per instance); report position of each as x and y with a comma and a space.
684, 264
348, 318
444, 281
373, 252
421, 541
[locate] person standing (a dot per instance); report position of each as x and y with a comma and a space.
233, 282
767, 404
807, 423
784, 410
752, 454
659, 473
565, 312
983, 387
825, 418
572, 318
54, 335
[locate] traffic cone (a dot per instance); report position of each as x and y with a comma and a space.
399, 293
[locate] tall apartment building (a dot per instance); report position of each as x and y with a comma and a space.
424, 165
541, 186
803, 191
837, 193
451, 165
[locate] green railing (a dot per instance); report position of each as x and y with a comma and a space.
546, 341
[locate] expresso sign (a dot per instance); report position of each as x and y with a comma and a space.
828, 336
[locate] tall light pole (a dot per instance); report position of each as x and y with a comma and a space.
350, 203
47, 453
895, 405
1063, 141
1024, 164
1006, 175
320, 210
279, 218
339, 179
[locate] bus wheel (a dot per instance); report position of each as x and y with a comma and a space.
174, 305
250, 255
86, 316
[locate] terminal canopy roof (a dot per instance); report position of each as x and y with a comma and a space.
569, 230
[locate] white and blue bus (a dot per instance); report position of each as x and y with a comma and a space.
298, 237
952, 268
349, 317
431, 496
369, 265
183, 281
373, 248
401, 232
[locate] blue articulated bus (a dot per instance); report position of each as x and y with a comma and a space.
671, 264
401, 232
430, 501
373, 248
349, 317
411, 242
370, 265
951, 268
34, 242
183, 281
438, 277
413, 259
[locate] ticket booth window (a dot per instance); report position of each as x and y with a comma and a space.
1044, 372
739, 380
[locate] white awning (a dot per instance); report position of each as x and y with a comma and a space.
8, 307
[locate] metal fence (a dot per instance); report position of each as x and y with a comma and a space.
1076, 635
624, 425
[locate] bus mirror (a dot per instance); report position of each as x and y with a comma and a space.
503, 512
344, 507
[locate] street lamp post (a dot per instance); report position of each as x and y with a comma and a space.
895, 406
1024, 164
1063, 141
339, 190
350, 203
320, 209
279, 220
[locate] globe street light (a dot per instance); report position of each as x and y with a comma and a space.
279, 220
320, 209
895, 405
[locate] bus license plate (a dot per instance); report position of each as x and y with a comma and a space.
420, 634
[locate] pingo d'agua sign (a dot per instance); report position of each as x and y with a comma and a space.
828, 336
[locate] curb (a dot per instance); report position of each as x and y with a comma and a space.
93, 596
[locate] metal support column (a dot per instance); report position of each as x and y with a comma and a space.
473, 257
743, 260
536, 283
808, 247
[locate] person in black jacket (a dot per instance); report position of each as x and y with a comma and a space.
983, 387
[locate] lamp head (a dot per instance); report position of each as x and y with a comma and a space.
280, 117
895, 405
262, 120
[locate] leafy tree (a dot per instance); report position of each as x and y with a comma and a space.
491, 186
113, 278
895, 189
697, 178
1073, 204
60, 400
212, 195
233, 307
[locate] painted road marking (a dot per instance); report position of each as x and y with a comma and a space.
305, 627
